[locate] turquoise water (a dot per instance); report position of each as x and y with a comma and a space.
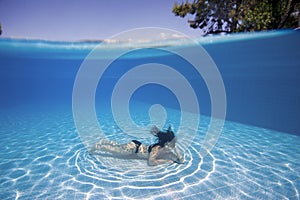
43, 155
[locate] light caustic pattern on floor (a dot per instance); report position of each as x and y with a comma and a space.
42, 157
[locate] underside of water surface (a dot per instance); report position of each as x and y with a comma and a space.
256, 155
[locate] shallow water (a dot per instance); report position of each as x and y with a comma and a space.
42, 157
45, 156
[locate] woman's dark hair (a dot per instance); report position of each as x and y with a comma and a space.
164, 137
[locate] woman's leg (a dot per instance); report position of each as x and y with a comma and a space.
115, 148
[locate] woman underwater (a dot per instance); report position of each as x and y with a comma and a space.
162, 152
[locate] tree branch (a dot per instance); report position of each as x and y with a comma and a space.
289, 10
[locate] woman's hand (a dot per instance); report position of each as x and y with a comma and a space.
180, 160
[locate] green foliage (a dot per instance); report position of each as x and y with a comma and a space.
213, 16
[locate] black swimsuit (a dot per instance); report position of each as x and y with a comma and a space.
150, 147
138, 144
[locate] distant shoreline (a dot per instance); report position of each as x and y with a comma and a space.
204, 40
52, 41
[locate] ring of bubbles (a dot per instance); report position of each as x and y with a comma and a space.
90, 128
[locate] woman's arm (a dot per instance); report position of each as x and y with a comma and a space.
162, 155
180, 158
155, 158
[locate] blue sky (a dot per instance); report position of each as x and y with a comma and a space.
86, 19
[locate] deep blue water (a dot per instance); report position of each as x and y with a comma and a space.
261, 76
257, 155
